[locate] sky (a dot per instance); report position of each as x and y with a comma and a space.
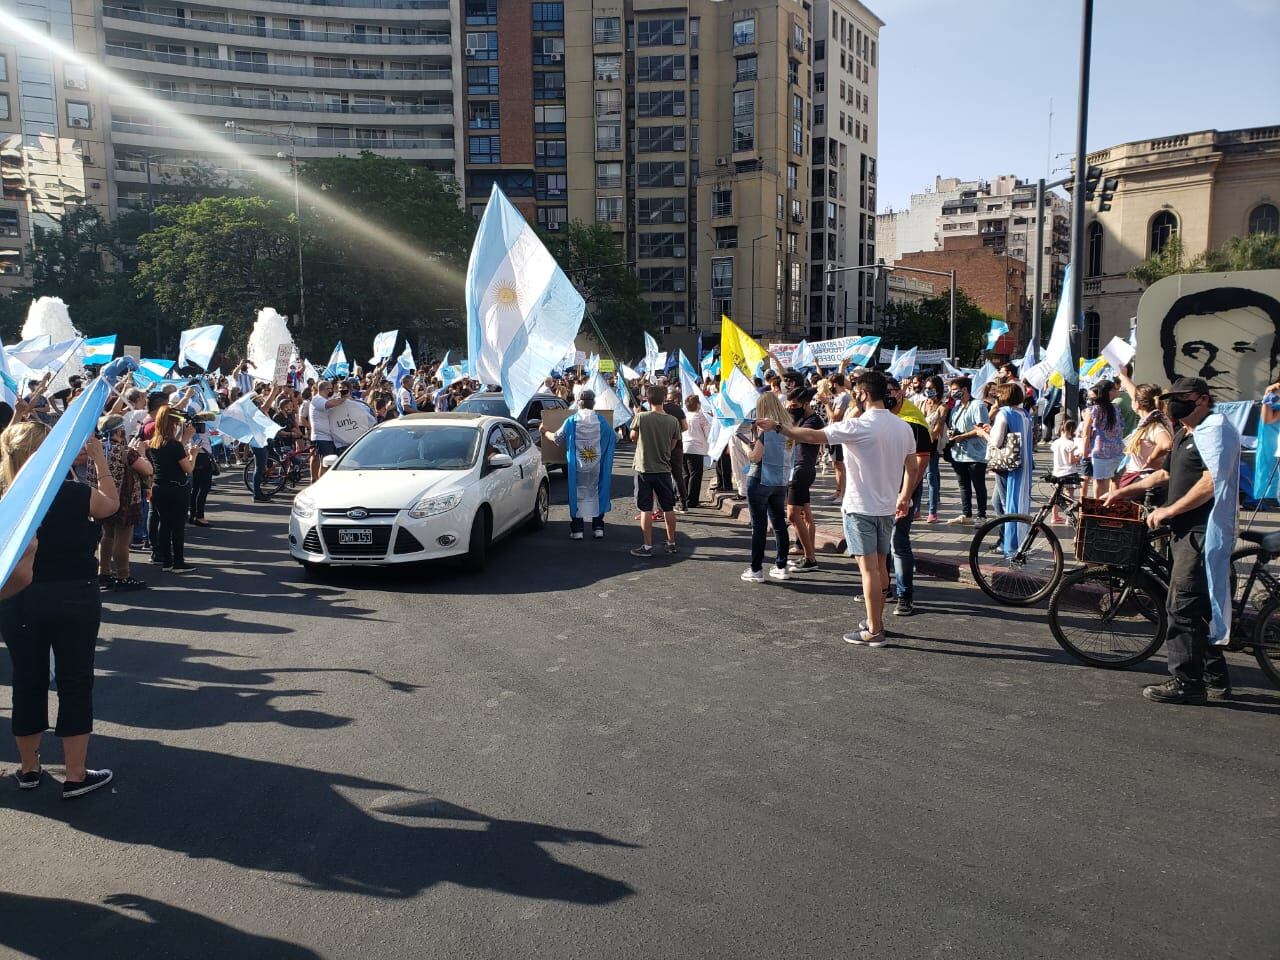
965, 85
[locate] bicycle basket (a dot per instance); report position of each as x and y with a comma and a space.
1114, 535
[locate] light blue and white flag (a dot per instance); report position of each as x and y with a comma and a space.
985, 375
628, 373
951, 370
9, 387
204, 400
592, 365
309, 372
337, 365
1058, 353
738, 397
904, 364
245, 422
651, 354
384, 345
404, 368
708, 362
31, 343
27, 500
98, 350
998, 329
153, 371
607, 398
48, 359
198, 345
803, 358
688, 378
522, 312
862, 351
1218, 444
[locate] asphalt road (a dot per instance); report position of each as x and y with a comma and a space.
582, 754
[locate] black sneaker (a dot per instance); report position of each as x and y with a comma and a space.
904, 608
92, 781
1218, 690
1175, 691
181, 568
28, 779
802, 565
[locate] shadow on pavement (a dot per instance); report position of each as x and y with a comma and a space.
140, 927
278, 818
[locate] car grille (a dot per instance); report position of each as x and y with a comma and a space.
311, 543
406, 542
372, 551
368, 513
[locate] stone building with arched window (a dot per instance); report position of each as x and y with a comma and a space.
1203, 188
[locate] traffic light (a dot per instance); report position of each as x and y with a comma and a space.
1091, 178
1109, 188
880, 295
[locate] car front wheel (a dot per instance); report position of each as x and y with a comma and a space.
541, 507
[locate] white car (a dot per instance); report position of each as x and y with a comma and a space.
423, 487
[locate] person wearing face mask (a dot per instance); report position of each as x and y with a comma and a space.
803, 474
1203, 483
904, 564
967, 444
934, 406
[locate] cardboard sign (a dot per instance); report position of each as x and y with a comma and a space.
553, 420
132, 351
284, 353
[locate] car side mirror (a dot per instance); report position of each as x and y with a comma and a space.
499, 460
329, 461
533, 423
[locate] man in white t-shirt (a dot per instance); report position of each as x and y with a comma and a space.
882, 471
404, 396
321, 438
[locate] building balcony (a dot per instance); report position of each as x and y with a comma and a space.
128, 58
418, 9
209, 105
196, 30
152, 136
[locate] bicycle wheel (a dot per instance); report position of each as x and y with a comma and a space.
1266, 641
1109, 617
273, 480
250, 468
1024, 577
1247, 597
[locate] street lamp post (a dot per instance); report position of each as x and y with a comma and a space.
1076, 294
753, 282
949, 274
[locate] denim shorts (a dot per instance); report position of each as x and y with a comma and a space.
866, 535
1104, 468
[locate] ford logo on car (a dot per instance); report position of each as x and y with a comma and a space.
357, 513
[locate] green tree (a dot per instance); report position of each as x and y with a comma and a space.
593, 260
1255, 252
927, 324
218, 261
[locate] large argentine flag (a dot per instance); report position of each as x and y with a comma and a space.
522, 311
197, 345
384, 344
99, 350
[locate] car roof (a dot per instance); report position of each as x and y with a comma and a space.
465, 417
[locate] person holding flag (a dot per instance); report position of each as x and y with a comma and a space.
588, 445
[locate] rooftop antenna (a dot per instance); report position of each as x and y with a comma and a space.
1048, 154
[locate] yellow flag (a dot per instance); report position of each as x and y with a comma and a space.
737, 349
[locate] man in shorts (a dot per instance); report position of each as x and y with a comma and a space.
321, 439
805, 471
656, 434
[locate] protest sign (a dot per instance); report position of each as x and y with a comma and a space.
284, 353
553, 420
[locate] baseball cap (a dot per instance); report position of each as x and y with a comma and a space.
1187, 385
800, 395
110, 423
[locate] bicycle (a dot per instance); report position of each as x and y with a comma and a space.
1033, 571
291, 468
1257, 626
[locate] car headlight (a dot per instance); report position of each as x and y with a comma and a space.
304, 508
435, 504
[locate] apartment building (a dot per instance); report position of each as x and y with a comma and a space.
689, 133
265, 77
846, 73
53, 150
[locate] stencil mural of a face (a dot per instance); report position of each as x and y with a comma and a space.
1229, 337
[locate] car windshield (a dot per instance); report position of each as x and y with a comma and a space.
426, 447
491, 405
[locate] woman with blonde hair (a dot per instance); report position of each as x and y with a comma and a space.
59, 611
173, 460
1150, 442
768, 476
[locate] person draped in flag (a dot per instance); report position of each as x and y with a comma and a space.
589, 445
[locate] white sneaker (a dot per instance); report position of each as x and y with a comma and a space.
576, 535
961, 521
779, 573
752, 576
597, 533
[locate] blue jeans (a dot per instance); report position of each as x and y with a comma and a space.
935, 483
768, 505
997, 499
259, 470
904, 561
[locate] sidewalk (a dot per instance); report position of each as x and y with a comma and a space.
941, 551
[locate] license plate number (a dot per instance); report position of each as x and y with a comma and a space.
355, 536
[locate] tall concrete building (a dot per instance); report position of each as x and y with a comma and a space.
1203, 187
689, 132
311, 79
846, 70
53, 129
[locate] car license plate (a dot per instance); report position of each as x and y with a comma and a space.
355, 535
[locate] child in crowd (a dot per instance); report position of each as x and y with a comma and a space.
1066, 460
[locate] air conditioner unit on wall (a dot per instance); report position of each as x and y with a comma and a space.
471, 51
557, 57
722, 161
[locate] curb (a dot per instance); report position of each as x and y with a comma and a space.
831, 540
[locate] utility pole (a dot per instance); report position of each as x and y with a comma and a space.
753, 283
1037, 304
1075, 297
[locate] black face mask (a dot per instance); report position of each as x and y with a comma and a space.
1180, 408
891, 402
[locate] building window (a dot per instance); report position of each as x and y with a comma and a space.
793, 175
744, 120
660, 139
482, 115
744, 32
748, 68
548, 17
608, 209
608, 67
4, 68
782, 214
608, 104
1164, 226
819, 118
481, 46
1092, 333
663, 279
1093, 250
660, 33
660, 210
548, 50
797, 138
79, 115
481, 13
726, 238
551, 186
658, 69
548, 85
721, 277
484, 149
606, 30
9, 223
553, 218
660, 174
662, 245
609, 134
1265, 218
722, 203
549, 153
75, 76
482, 81
549, 118
608, 175
4, 106
659, 103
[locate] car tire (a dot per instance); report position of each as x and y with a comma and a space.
316, 571
541, 507
478, 544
